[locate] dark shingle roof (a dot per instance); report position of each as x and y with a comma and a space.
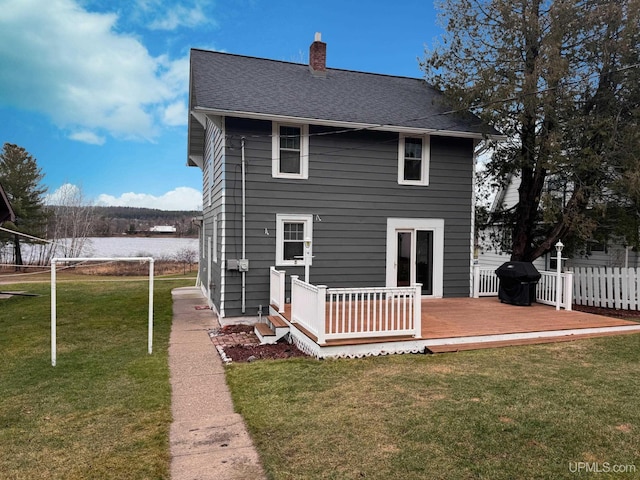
235, 83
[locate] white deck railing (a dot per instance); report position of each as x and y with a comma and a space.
486, 284
546, 289
277, 288
348, 313
308, 306
374, 312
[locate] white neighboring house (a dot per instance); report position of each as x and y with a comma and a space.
597, 255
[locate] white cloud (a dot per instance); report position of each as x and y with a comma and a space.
87, 136
78, 68
175, 114
179, 16
66, 194
181, 198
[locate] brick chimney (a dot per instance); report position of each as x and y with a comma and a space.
318, 56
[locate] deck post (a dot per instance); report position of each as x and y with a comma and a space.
559, 247
277, 288
417, 310
321, 321
568, 290
476, 281
294, 304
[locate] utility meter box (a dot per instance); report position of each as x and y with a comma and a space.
243, 265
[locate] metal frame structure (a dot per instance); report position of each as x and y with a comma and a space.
55, 261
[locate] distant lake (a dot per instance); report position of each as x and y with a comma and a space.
125, 246
156, 247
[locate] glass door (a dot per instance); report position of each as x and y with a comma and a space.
414, 259
424, 260
415, 254
404, 274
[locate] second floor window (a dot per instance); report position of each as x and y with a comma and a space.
290, 151
413, 160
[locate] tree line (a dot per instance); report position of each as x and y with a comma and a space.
109, 221
63, 229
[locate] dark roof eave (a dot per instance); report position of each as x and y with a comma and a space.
347, 124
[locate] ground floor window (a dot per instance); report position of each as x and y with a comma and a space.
291, 232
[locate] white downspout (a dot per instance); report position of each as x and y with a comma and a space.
244, 238
472, 265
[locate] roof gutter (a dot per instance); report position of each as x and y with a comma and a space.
345, 124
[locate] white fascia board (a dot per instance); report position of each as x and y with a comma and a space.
200, 117
195, 161
344, 124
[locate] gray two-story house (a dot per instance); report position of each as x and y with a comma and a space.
374, 171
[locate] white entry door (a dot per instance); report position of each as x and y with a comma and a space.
415, 254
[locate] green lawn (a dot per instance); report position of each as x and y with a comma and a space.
512, 413
104, 410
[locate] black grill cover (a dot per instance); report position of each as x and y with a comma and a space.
517, 282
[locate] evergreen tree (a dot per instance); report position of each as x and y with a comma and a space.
21, 177
560, 79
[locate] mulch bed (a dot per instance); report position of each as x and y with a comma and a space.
250, 353
609, 312
238, 343
229, 329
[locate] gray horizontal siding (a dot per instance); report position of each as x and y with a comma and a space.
213, 156
353, 188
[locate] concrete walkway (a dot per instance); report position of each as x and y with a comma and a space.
208, 440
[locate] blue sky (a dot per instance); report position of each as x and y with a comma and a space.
96, 90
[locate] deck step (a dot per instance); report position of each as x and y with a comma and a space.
272, 331
276, 321
264, 330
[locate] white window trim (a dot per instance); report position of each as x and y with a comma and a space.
203, 242
426, 155
304, 151
211, 168
215, 238
209, 269
281, 219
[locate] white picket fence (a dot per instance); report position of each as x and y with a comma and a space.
607, 287
486, 284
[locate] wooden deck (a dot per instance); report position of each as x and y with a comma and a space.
464, 317
453, 324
